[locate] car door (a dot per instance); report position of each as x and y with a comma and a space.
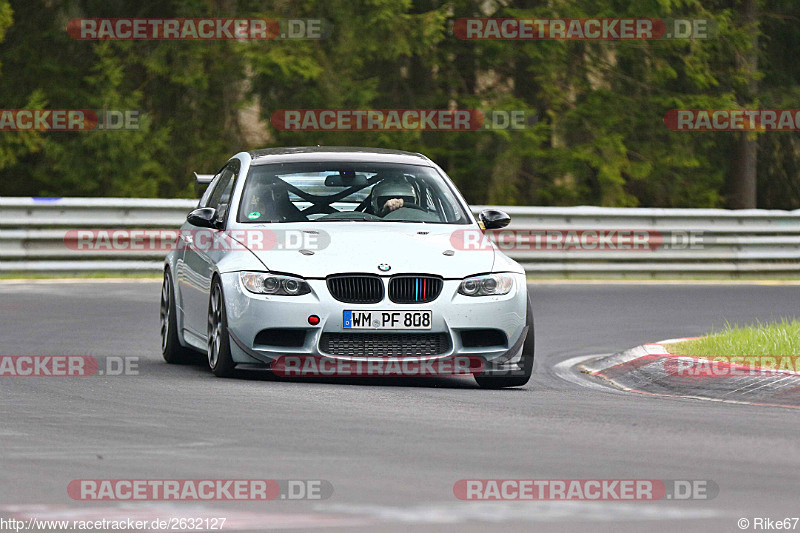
184, 239
201, 253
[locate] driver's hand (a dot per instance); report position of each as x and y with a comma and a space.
393, 204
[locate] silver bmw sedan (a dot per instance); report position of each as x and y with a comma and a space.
344, 257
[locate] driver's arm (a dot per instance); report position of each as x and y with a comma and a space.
393, 204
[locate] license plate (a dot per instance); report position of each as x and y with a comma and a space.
387, 319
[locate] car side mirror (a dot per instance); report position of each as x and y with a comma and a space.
494, 219
205, 217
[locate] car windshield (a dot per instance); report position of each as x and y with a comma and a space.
320, 192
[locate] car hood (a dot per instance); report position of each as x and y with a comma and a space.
361, 246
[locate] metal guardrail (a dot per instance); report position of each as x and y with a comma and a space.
746, 243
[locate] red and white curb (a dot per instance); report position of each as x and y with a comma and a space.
651, 369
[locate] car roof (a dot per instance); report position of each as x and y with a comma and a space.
337, 153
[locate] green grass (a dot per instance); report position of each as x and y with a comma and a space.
768, 341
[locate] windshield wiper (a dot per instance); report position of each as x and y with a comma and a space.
346, 220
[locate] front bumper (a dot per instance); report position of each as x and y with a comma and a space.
453, 314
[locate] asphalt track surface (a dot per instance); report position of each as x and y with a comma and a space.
392, 449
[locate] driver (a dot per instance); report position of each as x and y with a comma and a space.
390, 195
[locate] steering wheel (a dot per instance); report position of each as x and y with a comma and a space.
411, 205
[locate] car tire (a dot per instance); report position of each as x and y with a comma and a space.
171, 348
219, 342
500, 382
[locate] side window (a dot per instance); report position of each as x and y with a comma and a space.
220, 196
210, 189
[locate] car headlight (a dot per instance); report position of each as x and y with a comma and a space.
262, 283
487, 285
